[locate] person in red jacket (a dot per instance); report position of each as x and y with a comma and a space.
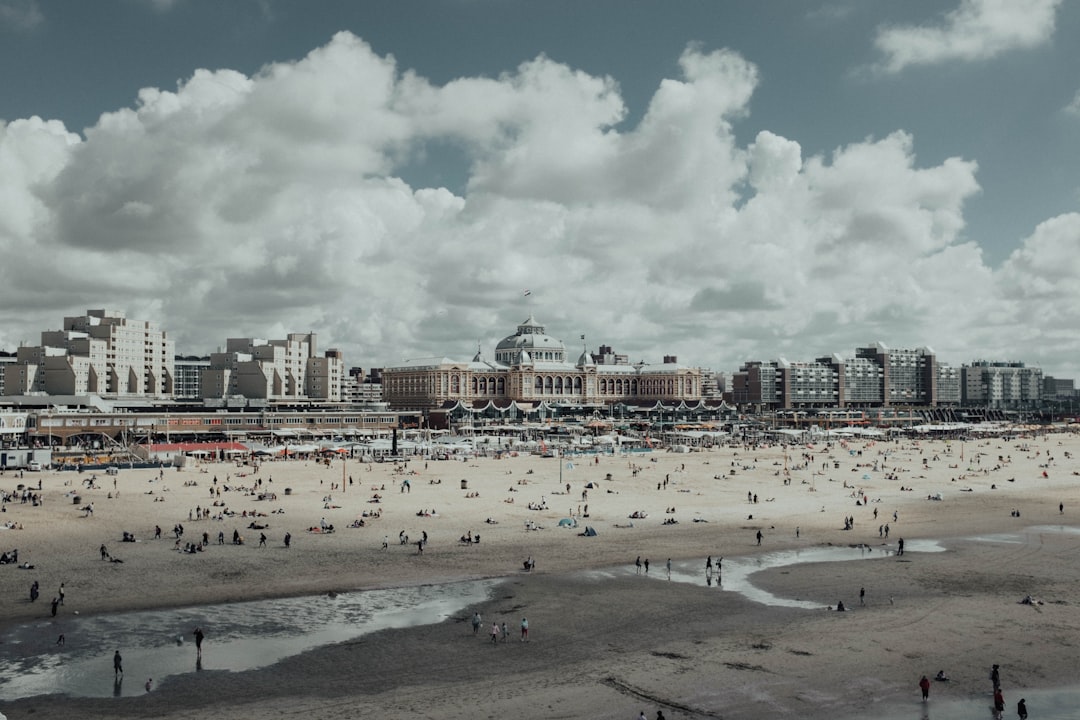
924, 685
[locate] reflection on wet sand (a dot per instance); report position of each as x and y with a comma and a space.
242, 636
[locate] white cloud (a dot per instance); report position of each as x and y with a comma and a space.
158, 5
1042, 303
20, 15
261, 205
1073, 108
976, 30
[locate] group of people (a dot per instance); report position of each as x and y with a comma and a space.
995, 681
498, 630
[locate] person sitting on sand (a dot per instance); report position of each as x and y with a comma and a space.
941, 677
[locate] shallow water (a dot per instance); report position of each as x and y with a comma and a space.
1019, 537
239, 636
250, 635
1051, 704
735, 573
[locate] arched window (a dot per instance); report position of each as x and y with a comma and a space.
558, 386
538, 386
577, 385
502, 386
483, 386
455, 384
548, 385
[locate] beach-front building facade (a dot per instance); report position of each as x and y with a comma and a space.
1005, 385
876, 376
188, 378
289, 369
532, 367
100, 353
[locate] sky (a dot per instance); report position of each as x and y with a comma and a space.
719, 181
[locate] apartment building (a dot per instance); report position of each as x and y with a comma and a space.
289, 369
1005, 385
99, 353
877, 376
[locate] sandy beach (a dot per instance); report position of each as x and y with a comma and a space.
602, 646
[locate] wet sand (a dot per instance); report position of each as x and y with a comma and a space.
606, 647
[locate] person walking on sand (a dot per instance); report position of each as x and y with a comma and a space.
476, 623
494, 633
524, 629
1021, 709
862, 596
117, 664
637, 564
995, 677
924, 685
669, 568
759, 536
999, 704
199, 635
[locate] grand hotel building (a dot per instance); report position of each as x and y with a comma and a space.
531, 369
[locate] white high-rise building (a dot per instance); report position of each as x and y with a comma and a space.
99, 353
289, 369
1002, 384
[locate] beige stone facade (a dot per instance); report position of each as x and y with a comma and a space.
531, 366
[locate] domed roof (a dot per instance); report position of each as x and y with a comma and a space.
530, 334
530, 338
